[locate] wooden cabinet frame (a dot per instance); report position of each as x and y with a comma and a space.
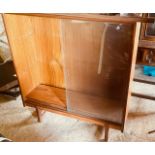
21, 53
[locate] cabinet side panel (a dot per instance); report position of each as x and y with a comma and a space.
20, 37
35, 48
136, 35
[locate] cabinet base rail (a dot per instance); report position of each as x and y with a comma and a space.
105, 128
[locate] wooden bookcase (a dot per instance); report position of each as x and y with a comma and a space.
77, 65
146, 51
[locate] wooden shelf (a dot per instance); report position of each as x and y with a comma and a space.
145, 64
95, 106
47, 96
55, 98
146, 44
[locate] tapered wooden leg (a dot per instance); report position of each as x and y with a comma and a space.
38, 114
104, 134
24, 104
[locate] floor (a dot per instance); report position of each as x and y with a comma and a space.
20, 123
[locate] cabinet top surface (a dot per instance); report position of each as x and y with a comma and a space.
93, 17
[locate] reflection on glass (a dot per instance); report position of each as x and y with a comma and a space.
122, 14
97, 57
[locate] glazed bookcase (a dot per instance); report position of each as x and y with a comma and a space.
77, 65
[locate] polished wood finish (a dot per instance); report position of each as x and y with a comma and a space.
38, 111
92, 17
104, 133
29, 43
40, 114
51, 96
74, 115
36, 45
147, 44
131, 71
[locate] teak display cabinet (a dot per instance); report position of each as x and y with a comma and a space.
77, 65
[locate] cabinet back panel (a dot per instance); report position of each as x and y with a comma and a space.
35, 45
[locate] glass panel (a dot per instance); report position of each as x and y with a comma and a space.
150, 27
97, 57
121, 14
